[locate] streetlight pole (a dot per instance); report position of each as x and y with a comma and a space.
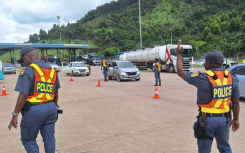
58, 17
140, 26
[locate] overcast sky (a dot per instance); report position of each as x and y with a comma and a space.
20, 18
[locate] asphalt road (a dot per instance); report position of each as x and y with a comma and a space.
119, 117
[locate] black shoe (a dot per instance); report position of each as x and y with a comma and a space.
155, 85
159, 84
106, 80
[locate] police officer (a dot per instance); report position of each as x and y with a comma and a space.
105, 68
38, 85
157, 68
227, 63
215, 89
243, 60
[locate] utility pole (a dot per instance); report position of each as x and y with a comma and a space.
161, 38
58, 17
171, 37
140, 26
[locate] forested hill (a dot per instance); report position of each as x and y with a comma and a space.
205, 24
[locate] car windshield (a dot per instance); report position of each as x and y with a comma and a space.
125, 65
78, 65
187, 52
8, 65
96, 58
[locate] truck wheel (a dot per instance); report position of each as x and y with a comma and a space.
137, 79
119, 78
110, 78
171, 69
67, 74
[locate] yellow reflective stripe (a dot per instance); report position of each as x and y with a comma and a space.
51, 75
226, 73
48, 97
215, 111
209, 72
37, 68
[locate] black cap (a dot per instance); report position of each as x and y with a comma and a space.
214, 57
25, 50
156, 59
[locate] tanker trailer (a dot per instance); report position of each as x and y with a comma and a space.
145, 57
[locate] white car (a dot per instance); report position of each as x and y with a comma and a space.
199, 62
54, 66
76, 68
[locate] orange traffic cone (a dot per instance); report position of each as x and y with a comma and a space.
71, 78
19, 70
156, 95
4, 93
99, 84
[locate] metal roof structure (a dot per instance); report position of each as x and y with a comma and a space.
7, 46
70, 47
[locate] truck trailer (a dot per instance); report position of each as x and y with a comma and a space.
145, 57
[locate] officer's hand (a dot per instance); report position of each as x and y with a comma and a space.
179, 49
13, 122
234, 125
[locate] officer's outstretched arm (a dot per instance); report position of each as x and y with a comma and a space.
180, 70
235, 109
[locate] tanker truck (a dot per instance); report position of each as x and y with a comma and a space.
145, 57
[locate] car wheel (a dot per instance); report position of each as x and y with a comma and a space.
67, 74
110, 78
171, 69
89, 71
14, 72
73, 73
119, 78
137, 79
87, 74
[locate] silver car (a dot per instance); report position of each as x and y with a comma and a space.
123, 70
239, 71
54, 66
8, 68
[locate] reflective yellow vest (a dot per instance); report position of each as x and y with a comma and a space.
222, 92
243, 61
158, 66
44, 85
228, 62
104, 63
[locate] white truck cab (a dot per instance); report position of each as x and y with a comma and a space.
76, 68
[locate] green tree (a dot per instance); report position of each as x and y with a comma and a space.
216, 29
206, 32
235, 24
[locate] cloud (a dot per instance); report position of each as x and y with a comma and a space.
19, 19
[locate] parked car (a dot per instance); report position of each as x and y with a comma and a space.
8, 68
123, 70
54, 66
76, 68
239, 71
199, 62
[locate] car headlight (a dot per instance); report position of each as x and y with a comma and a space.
137, 70
75, 69
122, 71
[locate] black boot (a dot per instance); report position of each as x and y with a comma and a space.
159, 83
156, 84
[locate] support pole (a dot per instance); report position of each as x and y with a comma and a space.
14, 56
